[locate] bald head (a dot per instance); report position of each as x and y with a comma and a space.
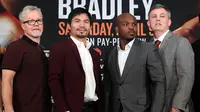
123, 17
126, 26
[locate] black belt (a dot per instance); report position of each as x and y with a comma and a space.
90, 104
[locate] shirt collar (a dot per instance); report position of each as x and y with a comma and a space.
128, 46
161, 38
78, 43
31, 41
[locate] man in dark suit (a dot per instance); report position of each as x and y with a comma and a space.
135, 80
74, 68
178, 60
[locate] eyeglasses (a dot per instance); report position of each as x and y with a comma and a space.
32, 22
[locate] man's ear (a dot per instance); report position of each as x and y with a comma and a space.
148, 24
22, 25
69, 28
117, 29
169, 22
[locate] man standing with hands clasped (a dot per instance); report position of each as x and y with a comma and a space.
134, 79
178, 60
74, 68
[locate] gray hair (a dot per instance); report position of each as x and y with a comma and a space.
158, 6
27, 9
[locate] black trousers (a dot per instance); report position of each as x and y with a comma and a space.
121, 107
88, 107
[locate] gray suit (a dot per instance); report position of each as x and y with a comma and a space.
178, 61
142, 78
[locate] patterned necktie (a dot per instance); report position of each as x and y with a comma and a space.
157, 42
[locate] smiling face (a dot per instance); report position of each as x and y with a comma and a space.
80, 26
159, 20
126, 26
32, 30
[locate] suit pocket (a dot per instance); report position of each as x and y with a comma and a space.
142, 101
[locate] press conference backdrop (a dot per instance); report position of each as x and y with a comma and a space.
102, 34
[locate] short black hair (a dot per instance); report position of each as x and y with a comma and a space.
158, 6
78, 11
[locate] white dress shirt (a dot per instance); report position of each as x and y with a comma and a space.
123, 55
87, 63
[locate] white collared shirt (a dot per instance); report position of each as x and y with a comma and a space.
161, 38
123, 55
87, 63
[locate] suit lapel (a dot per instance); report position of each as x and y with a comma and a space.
164, 43
95, 64
75, 51
115, 65
130, 59
162, 50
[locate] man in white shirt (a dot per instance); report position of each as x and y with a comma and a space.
74, 68
134, 78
